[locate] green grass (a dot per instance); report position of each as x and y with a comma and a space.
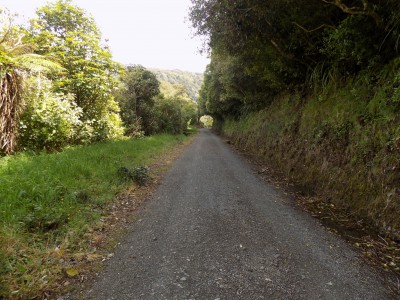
191, 130
52, 200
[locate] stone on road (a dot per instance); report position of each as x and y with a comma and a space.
214, 230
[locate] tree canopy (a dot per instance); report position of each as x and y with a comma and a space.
59, 84
137, 98
191, 81
152, 106
262, 48
72, 37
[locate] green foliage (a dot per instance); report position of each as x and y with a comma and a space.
136, 99
145, 109
53, 200
76, 106
206, 121
191, 81
137, 174
50, 121
67, 33
351, 45
260, 49
16, 62
175, 110
169, 115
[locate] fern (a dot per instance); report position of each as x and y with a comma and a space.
38, 64
16, 59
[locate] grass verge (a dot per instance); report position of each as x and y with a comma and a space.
49, 204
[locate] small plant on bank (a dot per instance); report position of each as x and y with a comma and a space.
137, 174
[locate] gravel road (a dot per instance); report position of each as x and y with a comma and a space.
214, 230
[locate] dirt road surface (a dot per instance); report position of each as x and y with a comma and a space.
214, 230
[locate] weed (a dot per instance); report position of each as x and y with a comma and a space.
41, 219
137, 174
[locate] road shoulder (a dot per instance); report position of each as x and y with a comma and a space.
379, 251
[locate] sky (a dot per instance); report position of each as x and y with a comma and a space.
153, 33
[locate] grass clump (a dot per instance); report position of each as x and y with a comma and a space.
136, 174
49, 202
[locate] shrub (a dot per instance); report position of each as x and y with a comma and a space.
50, 120
137, 174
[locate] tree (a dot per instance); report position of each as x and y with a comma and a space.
17, 60
70, 35
175, 110
136, 99
187, 107
260, 48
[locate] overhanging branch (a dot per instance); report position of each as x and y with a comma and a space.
315, 29
357, 10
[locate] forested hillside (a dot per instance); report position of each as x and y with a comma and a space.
191, 81
313, 88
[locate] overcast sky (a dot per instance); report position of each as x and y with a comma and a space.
152, 33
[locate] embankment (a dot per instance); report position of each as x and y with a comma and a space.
341, 143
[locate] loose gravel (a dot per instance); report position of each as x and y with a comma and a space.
214, 230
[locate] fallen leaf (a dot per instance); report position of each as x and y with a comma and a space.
72, 272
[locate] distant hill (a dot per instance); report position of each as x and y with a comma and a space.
191, 81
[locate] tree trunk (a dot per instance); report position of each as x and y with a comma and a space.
9, 111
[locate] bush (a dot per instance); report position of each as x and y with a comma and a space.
50, 120
168, 115
109, 126
352, 45
172, 114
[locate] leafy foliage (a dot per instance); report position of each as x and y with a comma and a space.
137, 174
174, 114
136, 99
71, 36
261, 49
191, 81
50, 121
16, 62
151, 107
206, 121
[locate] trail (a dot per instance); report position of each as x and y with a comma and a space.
214, 230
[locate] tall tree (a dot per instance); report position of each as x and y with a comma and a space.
136, 99
68, 33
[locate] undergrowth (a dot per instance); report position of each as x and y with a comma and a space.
341, 142
49, 202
